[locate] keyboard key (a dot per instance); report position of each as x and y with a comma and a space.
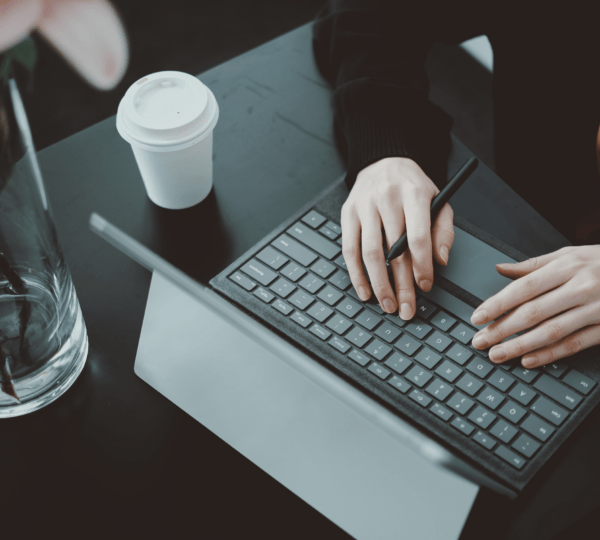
482, 417
314, 219
424, 309
504, 431
395, 319
263, 294
438, 341
558, 392
469, 384
301, 300
301, 319
500, 380
330, 296
463, 333
281, 306
339, 324
407, 345
272, 257
443, 321
491, 398
523, 394
340, 261
358, 336
314, 240
526, 375
537, 427
323, 268
420, 398
428, 358
368, 320
379, 370
510, 457
485, 352
448, 371
418, 376
341, 280
397, 362
311, 283
511, 411
399, 384
349, 307
320, 312
484, 440
548, 410
293, 272
242, 281
441, 412
339, 241
339, 344
326, 231
556, 369
259, 272
480, 367
387, 332
462, 426
359, 357
320, 332
378, 349
526, 445
459, 354
580, 382
439, 389
294, 250
334, 227
283, 287
418, 329
460, 403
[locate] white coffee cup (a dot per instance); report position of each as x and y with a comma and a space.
168, 118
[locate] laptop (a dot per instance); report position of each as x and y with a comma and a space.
420, 383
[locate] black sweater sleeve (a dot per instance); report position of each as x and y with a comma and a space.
373, 53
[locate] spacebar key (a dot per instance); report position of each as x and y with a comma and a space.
294, 250
314, 240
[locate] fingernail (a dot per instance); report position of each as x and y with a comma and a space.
480, 342
479, 317
363, 293
529, 361
497, 354
444, 254
389, 305
425, 285
405, 311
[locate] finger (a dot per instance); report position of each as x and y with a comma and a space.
525, 316
520, 291
418, 232
517, 270
442, 234
393, 224
568, 346
351, 250
547, 333
372, 251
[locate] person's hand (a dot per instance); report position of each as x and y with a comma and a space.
394, 193
556, 296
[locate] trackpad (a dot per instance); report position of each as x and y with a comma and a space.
349, 470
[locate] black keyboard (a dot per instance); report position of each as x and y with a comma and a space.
505, 409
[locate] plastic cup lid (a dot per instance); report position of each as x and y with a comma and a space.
166, 109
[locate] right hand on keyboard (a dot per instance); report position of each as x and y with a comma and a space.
393, 193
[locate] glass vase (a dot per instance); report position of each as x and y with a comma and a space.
43, 339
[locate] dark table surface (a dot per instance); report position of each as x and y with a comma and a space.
113, 456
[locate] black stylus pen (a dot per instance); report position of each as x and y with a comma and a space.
437, 204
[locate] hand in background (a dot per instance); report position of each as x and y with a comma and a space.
556, 296
394, 193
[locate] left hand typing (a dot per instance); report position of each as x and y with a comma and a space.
555, 296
